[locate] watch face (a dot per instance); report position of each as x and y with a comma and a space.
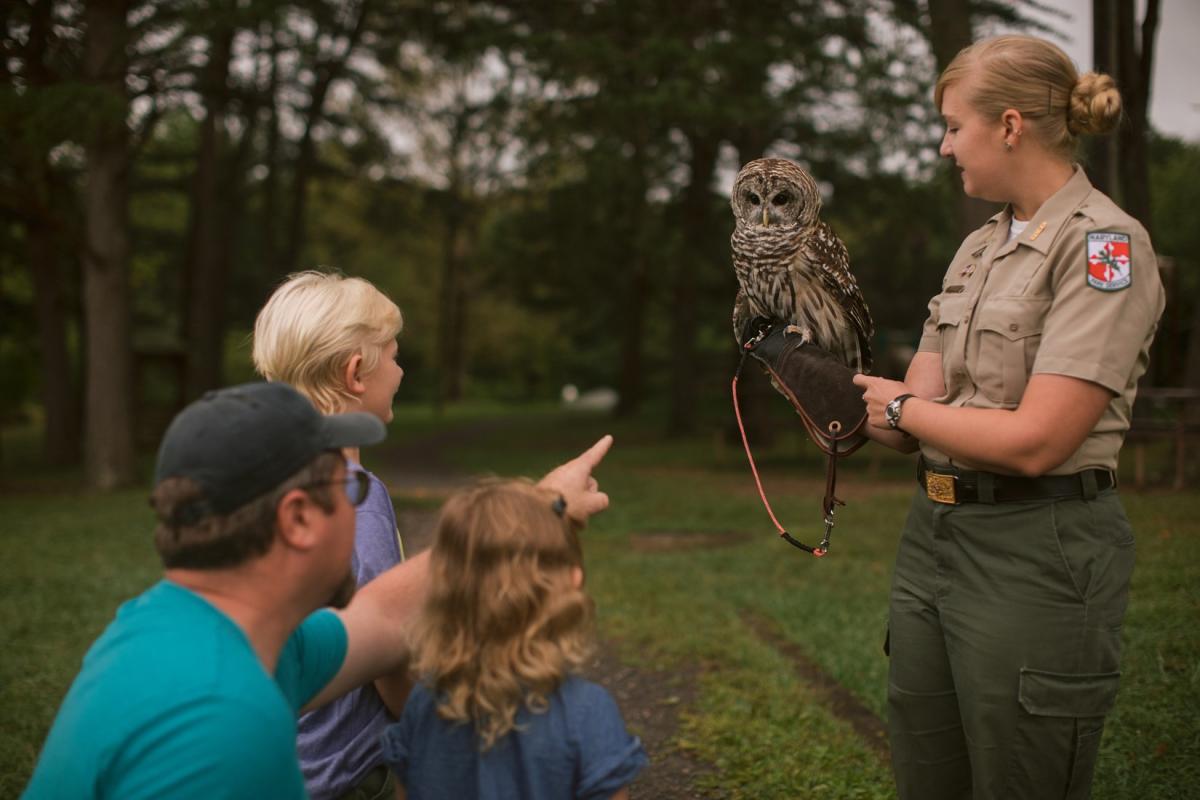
892, 413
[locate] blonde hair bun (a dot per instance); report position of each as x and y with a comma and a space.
1038, 78
1095, 104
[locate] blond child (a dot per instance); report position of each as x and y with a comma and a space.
333, 338
500, 711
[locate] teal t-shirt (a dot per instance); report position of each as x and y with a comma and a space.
172, 701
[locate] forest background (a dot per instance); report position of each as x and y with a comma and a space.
541, 186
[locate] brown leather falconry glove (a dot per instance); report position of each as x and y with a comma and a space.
816, 383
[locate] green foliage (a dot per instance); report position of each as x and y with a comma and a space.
1175, 194
560, 140
1175, 175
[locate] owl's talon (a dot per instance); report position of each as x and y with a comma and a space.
806, 336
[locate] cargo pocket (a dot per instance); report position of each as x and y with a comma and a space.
1058, 733
1010, 332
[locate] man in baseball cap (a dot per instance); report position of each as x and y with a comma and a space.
194, 688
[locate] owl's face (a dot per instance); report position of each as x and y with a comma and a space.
774, 192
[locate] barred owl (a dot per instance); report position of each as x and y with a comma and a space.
791, 267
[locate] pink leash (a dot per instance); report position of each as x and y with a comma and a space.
823, 547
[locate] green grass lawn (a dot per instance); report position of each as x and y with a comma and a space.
69, 559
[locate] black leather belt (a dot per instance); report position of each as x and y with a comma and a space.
953, 486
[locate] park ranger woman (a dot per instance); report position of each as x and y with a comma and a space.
1012, 575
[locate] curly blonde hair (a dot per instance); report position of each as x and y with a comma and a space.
311, 327
504, 620
1038, 79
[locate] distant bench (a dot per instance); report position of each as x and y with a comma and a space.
1164, 414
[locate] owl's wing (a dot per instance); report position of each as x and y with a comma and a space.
741, 315
828, 254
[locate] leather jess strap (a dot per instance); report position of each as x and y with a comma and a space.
953, 486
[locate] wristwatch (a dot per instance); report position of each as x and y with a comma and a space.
891, 411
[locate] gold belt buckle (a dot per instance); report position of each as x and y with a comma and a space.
940, 488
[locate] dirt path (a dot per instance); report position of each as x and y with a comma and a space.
837, 698
650, 701
417, 467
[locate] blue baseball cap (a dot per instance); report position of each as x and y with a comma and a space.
241, 442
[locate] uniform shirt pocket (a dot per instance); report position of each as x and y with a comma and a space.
950, 330
1009, 331
950, 318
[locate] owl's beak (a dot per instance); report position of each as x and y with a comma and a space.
766, 220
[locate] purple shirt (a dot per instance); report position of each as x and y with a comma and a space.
338, 743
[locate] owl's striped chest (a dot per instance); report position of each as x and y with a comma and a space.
766, 262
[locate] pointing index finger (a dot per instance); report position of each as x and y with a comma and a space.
595, 454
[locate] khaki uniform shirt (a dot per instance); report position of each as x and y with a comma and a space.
1077, 293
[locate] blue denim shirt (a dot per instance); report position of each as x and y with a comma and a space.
577, 749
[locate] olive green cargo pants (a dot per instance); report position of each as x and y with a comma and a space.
1004, 633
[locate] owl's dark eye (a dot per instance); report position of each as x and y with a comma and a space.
781, 199
752, 198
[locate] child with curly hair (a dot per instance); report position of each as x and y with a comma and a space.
501, 711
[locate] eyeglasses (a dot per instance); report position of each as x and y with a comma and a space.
356, 482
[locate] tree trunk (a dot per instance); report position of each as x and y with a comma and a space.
949, 29
302, 174
60, 400
207, 263
306, 160
452, 298
272, 264
627, 81
696, 200
1191, 369
48, 238
630, 385
1136, 67
950, 32
108, 444
1102, 150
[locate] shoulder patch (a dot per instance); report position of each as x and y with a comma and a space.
1109, 261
